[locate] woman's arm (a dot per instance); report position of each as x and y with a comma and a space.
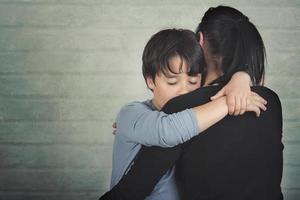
150, 164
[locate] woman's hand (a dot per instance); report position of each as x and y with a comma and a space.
238, 93
114, 126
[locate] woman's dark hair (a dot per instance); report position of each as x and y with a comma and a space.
168, 43
235, 41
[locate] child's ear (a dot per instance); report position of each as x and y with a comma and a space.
150, 83
201, 39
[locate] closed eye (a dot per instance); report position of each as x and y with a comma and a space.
193, 82
173, 83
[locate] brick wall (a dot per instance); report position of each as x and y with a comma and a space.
67, 66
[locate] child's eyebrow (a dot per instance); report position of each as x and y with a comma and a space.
169, 75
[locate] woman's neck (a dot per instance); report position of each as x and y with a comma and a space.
210, 77
212, 74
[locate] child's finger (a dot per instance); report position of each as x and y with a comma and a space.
243, 105
260, 105
231, 104
237, 108
255, 109
259, 98
219, 94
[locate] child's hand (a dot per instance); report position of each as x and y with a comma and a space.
114, 126
256, 103
238, 93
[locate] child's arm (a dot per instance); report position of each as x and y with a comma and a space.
139, 124
237, 93
210, 113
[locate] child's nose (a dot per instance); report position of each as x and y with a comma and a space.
183, 90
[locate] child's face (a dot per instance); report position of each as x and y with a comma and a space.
171, 85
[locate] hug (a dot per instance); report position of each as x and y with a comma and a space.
211, 129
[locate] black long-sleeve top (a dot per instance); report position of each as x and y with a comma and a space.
239, 157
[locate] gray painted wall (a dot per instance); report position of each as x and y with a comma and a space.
66, 68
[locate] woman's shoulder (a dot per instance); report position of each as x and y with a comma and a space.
267, 92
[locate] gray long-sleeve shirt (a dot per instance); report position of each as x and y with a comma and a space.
140, 123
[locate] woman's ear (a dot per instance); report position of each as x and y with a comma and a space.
201, 39
150, 83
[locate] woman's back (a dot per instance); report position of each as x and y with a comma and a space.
238, 158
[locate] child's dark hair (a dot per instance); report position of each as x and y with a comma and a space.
168, 43
235, 41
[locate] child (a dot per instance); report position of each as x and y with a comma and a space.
172, 63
